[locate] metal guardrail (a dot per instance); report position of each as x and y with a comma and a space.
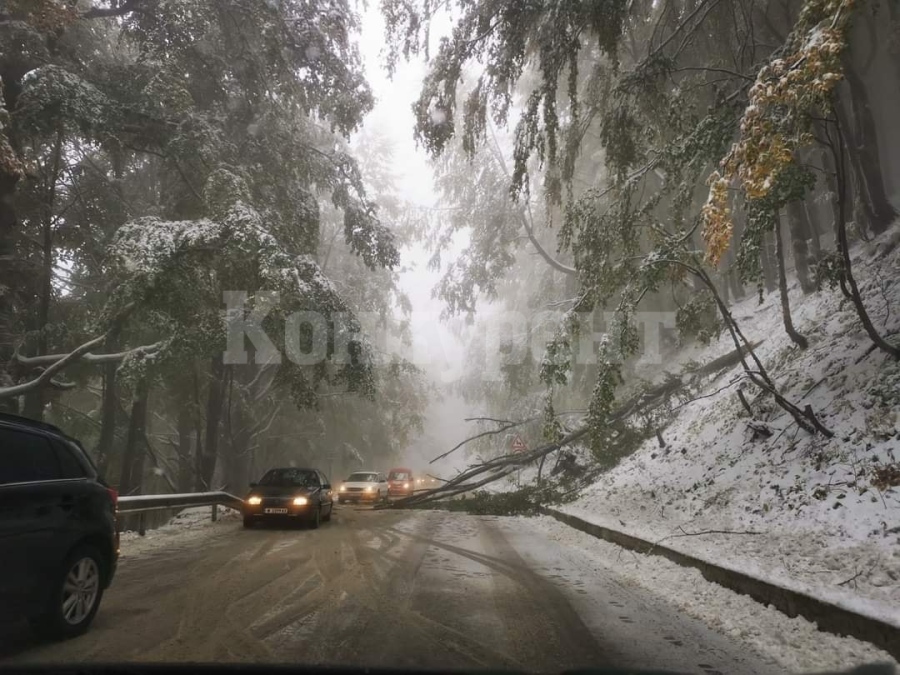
141, 504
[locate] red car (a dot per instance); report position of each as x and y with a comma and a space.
400, 482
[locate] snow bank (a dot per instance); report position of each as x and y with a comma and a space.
189, 525
795, 644
805, 512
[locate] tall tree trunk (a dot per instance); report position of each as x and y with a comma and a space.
133, 456
815, 232
198, 431
799, 229
858, 204
214, 400
734, 274
848, 282
862, 139
796, 337
830, 176
109, 406
722, 285
184, 448
237, 459
11, 274
34, 400
767, 256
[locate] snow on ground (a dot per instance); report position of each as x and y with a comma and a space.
189, 525
796, 645
823, 522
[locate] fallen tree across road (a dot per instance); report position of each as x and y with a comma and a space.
500, 467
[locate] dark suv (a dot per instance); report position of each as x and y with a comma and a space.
58, 537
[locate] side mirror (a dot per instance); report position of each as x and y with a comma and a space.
253, 485
327, 486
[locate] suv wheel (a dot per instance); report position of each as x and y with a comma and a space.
75, 596
316, 517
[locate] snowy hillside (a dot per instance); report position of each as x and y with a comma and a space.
816, 514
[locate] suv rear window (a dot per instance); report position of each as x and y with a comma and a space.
26, 458
70, 465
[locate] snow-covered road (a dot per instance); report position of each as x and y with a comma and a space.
429, 589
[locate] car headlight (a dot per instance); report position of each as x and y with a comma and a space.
343, 488
300, 501
369, 489
254, 500
405, 486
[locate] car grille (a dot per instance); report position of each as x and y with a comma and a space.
355, 489
276, 502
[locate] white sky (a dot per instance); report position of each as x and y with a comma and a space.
393, 119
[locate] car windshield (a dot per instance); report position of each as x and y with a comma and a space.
290, 478
363, 478
626, 269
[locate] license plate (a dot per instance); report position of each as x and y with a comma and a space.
275, 510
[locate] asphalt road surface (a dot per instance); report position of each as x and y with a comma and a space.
384, 589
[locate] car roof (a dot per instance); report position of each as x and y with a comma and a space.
27, 424
16, 420
291, 468
401, 468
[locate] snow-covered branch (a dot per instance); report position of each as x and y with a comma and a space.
47, 376
47, 359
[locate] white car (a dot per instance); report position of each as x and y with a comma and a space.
363, 486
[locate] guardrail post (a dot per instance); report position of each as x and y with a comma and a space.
141, 530
215, 512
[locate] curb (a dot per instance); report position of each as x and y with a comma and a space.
827, 617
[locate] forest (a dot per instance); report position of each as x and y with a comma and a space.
607, 160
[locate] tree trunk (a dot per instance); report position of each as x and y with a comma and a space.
848, 282
815, 233
198, 431
862, 140
239, 426
133, 456
237, 459
799, 229
184, 448
796, 337
214, 400
758, 375
34, 400
11, 275
766, 254
109, 406
734, 274
830, 175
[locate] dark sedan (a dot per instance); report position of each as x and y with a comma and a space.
289, 493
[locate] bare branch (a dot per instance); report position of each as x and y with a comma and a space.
46, 359
489, 419
506, 427
45, 377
